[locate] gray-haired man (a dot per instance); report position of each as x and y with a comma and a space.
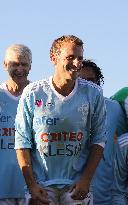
17, 63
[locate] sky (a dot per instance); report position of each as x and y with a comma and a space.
101, 24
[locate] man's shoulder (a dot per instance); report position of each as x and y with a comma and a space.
89, 84
35, 86
111, 102
3, 87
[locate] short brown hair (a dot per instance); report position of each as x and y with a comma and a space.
55, 48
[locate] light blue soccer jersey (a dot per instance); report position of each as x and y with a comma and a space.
11, 179
121, 170
57, 129
104, 174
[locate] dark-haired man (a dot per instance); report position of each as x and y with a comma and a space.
104, 176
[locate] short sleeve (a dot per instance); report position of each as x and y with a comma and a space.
23, 121
98, 122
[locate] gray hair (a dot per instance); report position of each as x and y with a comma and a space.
18, 49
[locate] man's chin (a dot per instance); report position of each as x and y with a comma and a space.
73, 75
19, 79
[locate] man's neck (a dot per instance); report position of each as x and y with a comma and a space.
63, 86
15, 88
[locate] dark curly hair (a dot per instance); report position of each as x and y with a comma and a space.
96, 69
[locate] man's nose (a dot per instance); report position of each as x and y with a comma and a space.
77, 62
20, 68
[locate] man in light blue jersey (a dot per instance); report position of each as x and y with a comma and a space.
120, 194
17, 63
103, 179
56, 154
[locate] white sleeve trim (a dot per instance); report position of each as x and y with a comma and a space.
102, 144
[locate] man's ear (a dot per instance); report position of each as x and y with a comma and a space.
53, 58
5, 65
30, 67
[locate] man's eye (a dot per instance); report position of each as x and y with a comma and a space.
24, 64
15, 64
80, 58
70, 58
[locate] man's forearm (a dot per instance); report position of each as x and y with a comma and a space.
24, 160
38, 194
95, 156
